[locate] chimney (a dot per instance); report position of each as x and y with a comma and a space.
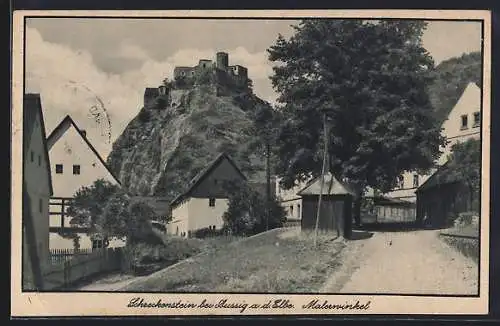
84, 133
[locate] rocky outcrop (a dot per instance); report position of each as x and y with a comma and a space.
167, 143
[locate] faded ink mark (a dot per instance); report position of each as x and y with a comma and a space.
98, 112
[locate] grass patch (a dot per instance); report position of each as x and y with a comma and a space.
468, 247
266, 263
146, 258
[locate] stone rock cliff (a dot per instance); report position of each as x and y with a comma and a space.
167, 144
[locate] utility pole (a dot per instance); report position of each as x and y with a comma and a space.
323, 171
268, 181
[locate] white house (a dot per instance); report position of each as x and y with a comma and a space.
75, 163
463, 122
37, 189
290, 201
205, 201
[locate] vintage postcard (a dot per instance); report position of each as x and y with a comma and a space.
299, 162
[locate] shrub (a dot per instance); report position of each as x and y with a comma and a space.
207, 233
465, 218
249, 213
143, 258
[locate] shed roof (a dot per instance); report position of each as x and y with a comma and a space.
331, 187
442, 176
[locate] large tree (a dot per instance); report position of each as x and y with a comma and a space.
370, 77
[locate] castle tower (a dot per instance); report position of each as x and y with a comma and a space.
222, 61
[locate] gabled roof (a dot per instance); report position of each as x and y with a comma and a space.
32, 106
66, 123
441, 176
203, 174
331, 186
465, 89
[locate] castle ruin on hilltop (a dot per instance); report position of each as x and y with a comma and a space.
219, 74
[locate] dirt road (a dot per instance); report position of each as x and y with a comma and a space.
414, 262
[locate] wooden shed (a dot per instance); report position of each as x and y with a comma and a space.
336, 206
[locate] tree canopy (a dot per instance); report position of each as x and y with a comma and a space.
370, 77
109, 212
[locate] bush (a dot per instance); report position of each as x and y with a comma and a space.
248, 213
465, 218
143, 258
208, 233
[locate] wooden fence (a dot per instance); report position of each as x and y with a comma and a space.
59, 256
81, 266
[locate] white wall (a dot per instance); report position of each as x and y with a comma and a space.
70, 149
201, 215
58, 242
452, 128
289, 198
293, 208
180, 219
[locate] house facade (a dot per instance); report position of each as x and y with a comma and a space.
463, 122
290, 200
205, 201
37, 188
75, 163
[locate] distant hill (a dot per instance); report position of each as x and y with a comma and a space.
452, 76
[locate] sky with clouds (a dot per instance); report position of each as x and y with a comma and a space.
80, 64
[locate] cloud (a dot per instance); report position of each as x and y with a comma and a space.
70, 82
131, 51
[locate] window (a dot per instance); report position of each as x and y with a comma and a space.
40, 205
291, 210
477, 119
298, 210
39, 160
76, 169
401, 182
211, 202
59, 168
97, 244
32, 156
465, 122
415, 181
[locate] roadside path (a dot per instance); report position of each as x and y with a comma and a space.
414, 262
